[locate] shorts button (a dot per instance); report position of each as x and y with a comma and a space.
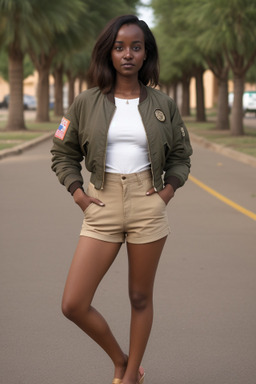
123, 178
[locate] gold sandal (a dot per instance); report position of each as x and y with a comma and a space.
142, 378
117, 381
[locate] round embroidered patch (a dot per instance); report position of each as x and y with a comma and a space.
160, 115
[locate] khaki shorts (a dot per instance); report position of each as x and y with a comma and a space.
128, 213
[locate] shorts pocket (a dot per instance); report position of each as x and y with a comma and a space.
159, 197
92, 192
87, 208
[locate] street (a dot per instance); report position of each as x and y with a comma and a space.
205, 307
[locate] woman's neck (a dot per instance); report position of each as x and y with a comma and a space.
127, 89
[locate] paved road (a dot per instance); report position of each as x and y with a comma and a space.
250, 120
205, 307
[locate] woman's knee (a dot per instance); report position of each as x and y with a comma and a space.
140, 301
70, 308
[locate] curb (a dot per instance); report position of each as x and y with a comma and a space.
231, 153
22, 147
235, 155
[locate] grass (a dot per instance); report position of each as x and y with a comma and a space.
10, 139
245, 144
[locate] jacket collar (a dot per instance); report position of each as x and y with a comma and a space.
143, 94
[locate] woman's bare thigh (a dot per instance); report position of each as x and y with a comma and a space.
143, 263
91, 261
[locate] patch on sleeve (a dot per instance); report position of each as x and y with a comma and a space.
63, 127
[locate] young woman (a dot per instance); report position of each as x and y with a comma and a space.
137, 149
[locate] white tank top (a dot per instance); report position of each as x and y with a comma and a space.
127, 148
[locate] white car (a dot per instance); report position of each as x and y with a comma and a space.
249, 101
29, 102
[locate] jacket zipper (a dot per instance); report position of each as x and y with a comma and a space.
149, 154
105, 153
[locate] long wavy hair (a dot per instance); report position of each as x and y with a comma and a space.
103, 74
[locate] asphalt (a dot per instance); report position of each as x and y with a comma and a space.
205, 308
246, 159
18, 149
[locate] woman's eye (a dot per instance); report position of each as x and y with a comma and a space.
136, 48
118, 48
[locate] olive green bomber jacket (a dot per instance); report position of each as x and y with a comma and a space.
85, 137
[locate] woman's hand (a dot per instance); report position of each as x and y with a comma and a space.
83, 200
166, 194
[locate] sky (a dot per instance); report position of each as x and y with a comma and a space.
146, 13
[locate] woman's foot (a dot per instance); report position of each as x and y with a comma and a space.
141, 375
140, 380
117, 381
120, 370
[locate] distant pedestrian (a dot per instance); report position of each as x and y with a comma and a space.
137, 149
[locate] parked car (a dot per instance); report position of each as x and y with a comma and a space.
4, 102
249, 101
29, 102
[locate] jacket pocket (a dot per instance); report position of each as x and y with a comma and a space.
85, 148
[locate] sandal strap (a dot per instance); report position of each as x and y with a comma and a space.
116, 381
142, 378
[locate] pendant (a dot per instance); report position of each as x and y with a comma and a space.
127, 102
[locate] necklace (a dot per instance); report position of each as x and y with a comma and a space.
133, 93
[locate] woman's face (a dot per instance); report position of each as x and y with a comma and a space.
128, 52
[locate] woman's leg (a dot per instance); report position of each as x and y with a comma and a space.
91, 261
143, 262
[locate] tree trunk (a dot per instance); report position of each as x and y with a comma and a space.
81, 81
71, 88
223, 110
237, 108
15, 120
43, 94
174, 90
185, 105
200, 106
167, 89
58, 91
42, 64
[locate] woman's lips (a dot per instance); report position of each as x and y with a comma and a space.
127, 65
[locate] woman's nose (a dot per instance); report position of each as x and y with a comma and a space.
127, 53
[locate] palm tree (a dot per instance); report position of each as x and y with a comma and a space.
16, 21
228, 28
62, 16
27, 26
73, 48
179, 53
218, 65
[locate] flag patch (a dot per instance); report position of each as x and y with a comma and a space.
63, 127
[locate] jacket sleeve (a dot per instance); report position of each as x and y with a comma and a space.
177, 166
66, 151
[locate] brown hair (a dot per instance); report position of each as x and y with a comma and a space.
102, 72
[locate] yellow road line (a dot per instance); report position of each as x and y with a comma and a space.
225, 200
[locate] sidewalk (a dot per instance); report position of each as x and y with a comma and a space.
246, 159
231, 153
17, 150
